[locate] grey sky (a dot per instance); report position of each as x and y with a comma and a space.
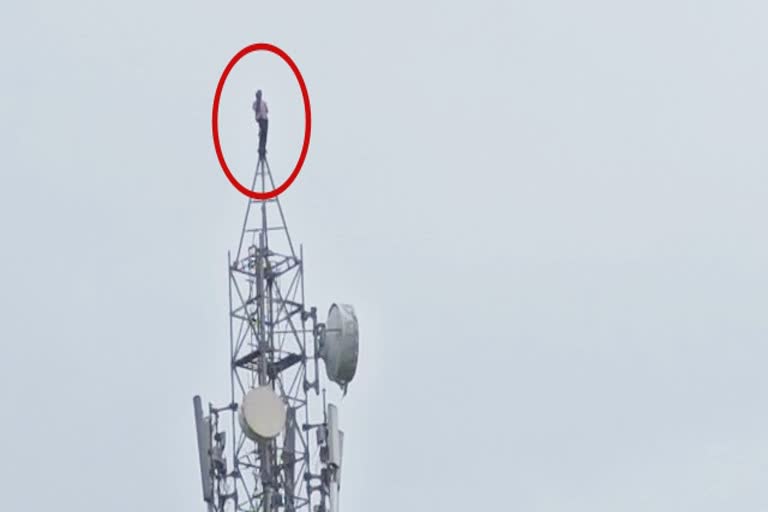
550, 216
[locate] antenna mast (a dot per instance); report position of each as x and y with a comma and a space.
284, 453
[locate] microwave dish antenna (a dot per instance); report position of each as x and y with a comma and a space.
340, 344
262, 414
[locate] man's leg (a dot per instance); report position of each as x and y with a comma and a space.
262, 139
263, 135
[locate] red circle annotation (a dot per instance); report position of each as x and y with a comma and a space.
307, 120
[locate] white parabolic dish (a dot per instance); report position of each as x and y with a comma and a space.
341, 344
262, 414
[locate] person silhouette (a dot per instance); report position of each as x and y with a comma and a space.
261, 113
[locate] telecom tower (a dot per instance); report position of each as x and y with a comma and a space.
276, 446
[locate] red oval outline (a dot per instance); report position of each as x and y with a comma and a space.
307, 120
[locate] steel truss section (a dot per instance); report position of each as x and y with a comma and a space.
273, 342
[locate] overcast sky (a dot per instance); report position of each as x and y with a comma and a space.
550, 216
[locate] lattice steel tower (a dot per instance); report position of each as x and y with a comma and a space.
285, 446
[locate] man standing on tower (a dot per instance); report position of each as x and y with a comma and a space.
260, 110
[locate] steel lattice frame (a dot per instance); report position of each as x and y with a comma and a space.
273, 342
